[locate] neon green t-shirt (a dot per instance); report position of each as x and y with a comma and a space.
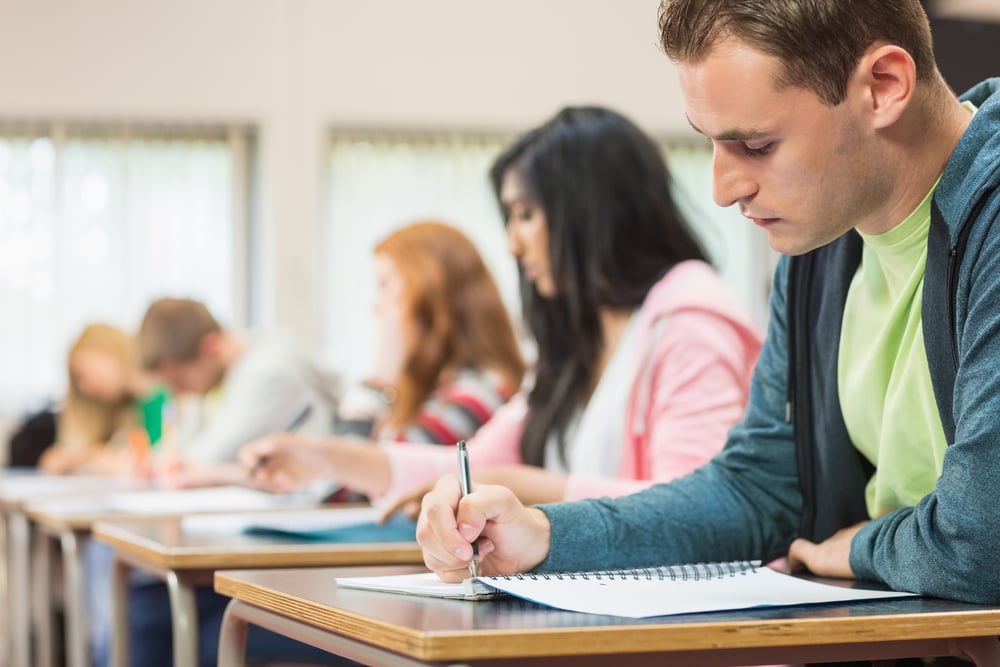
885, 385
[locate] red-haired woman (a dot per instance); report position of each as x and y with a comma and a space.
447, 355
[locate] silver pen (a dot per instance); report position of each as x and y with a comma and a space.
465, 479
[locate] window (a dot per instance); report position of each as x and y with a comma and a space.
96, 222
378, 182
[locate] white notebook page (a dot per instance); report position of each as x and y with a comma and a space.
647, 594
638, 593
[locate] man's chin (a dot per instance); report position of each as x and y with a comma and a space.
785, 245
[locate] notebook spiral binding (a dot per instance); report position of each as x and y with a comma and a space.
687, 572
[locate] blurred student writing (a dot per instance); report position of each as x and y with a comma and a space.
109, 402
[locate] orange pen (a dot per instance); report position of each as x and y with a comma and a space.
139, 448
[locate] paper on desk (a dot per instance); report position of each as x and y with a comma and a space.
426, 584
285, 521
187, 501
646, 596
641, 593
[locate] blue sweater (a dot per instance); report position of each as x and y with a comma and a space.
781, 477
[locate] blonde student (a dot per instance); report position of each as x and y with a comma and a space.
643, 353
110, 401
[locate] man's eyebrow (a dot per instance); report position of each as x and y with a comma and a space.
733, 135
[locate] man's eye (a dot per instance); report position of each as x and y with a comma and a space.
757, 151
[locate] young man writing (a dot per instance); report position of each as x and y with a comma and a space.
258, 386
869, 448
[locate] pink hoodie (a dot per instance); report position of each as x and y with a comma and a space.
699, 345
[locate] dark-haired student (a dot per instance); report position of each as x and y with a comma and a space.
643, 354
869, 448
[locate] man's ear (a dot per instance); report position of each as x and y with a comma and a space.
210, 345
887, 77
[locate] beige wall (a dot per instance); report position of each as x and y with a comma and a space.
294, 68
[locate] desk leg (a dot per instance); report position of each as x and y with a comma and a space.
120, 629
77, 644
41, 600
18, 588
232, 639
184, 618
984, 651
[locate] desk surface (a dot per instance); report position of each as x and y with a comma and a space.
82, 511
435, 629
17, 491
164, 543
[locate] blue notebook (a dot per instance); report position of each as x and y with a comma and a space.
396, 529
330, 524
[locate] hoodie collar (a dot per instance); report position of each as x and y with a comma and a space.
973, 170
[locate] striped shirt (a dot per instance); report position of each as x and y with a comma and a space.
456, 410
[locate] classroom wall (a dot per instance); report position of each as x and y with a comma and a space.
295, 68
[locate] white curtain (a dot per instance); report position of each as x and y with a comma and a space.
95, 224
380, 181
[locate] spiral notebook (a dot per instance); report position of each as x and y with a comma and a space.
640, 593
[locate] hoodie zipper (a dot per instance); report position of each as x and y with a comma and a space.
952, 282
951, 276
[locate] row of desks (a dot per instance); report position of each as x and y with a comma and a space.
45, 516
288, 586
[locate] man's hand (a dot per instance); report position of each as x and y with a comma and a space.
511, 537
829, 558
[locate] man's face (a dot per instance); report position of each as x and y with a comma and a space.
198, 376
795, 166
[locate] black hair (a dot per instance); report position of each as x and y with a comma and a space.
614, 230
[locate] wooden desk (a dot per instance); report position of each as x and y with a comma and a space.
398, 630
67, 521
16, 491
184, 560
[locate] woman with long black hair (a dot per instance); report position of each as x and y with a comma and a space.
644, 355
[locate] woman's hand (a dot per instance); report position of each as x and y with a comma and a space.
285, 462
58, 460
407, 503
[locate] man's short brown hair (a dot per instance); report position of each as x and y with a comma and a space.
172, 330
819, 42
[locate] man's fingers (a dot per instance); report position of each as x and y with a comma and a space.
487, 503
800, 554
